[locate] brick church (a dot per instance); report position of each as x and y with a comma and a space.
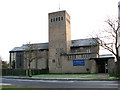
61, 54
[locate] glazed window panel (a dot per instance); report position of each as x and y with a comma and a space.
53, 60
56, 51
54, 19
75, 56
51, 20
61, 18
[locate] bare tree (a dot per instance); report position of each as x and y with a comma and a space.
108, 39
31, 53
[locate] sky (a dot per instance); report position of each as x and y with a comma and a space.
23, 21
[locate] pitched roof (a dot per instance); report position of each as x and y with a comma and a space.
25, 47
74, 43
84, 42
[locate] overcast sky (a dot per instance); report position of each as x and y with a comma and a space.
23, 21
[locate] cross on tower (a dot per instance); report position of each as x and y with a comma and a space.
59, 6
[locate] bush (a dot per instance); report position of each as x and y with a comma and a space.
114, 75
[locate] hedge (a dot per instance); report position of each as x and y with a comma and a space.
22, 72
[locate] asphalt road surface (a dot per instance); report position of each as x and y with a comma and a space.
26, 83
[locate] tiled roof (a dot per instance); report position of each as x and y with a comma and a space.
84, 42
74, 43
24, 47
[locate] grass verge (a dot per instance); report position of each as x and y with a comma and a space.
18, 88
79, 75
8, 87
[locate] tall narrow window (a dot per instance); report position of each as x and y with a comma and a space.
56, 51
20, 61
68, 57
74, 56
82, 56
56, 19
51, 20
59, 18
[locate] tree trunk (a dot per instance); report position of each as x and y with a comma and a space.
118, 66
29, 71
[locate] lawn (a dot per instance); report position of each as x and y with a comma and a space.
79, 75
17, 88
63, 76
8, 88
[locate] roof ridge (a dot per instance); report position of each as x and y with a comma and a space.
84, 39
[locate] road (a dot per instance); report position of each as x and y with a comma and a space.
59, 84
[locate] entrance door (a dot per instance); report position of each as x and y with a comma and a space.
101, 66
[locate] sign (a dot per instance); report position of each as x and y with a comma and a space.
80, 62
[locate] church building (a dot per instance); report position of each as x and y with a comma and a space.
61, 54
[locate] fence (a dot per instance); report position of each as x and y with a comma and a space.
22, 72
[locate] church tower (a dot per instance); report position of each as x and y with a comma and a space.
59, 39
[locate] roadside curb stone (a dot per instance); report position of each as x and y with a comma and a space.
92, 79
97, 77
